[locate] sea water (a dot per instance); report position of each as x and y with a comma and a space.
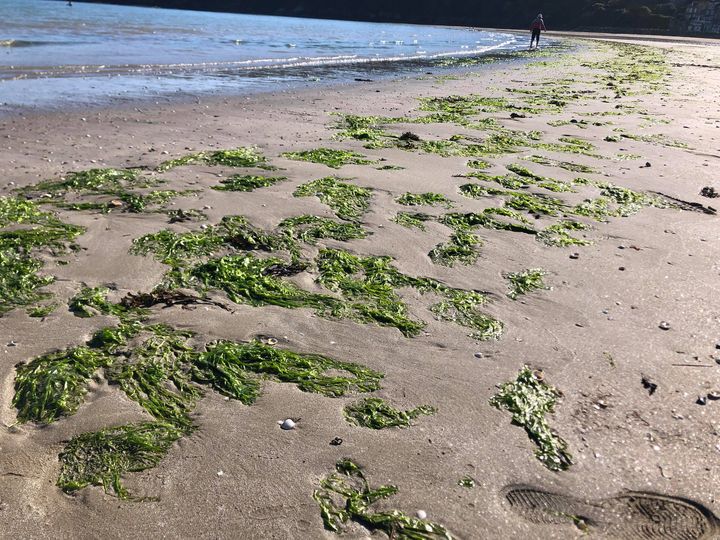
53, 55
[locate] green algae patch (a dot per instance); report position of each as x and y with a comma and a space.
247, 182
55, 384
348, 201
525, 282
489, 218
530, 399
41, 311
479, 164
346, 496
120, 184
310, 229
460, 307
368, 285
182, 216
463, 244
27, 231
94, 181
567, 165
93, 300
156, 377
477, 191
424, 199
461, 248
237, 370
233, 232
366, 129
330, 157
412, 220
558, 234
541, 181
472, 105
245, 157
376, 413
101, 458
249, 280
535, 204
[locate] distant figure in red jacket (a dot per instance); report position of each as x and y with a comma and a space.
537, 26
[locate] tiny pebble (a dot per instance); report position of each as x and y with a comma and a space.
478, 355
422, 514
12, 344
664, 325
714, 396
622, 268
574, 255
702, 400
220, 473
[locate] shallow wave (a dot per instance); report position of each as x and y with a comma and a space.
33, 43
237, 67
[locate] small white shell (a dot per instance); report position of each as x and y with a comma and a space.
422, 514
288, 424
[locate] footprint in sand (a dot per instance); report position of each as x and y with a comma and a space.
631, 515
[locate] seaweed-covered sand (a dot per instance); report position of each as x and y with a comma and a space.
482, 304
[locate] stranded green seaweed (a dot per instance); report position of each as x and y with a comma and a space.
248, 182
526, 281
530, 399
101, 458
27, 230
348, 201
330, 157
55, 384
345, 496
424, 199
376, 413
236, 370
238, 157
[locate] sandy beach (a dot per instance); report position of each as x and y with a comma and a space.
596, 157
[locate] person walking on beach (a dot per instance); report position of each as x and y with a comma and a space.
537, 26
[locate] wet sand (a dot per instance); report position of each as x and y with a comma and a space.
594, 333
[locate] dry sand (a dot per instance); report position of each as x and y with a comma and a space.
595, 333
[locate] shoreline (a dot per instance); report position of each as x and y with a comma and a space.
594, 326
341, 75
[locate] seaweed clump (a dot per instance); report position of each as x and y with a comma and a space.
103, 190
424, 199
330, 157
376, 413
345, 496
348, 201
55, 384
244, 157
157, 367
102, 457
529, 399
236, 370
247, 182
411, 220
526, 281
27, 231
